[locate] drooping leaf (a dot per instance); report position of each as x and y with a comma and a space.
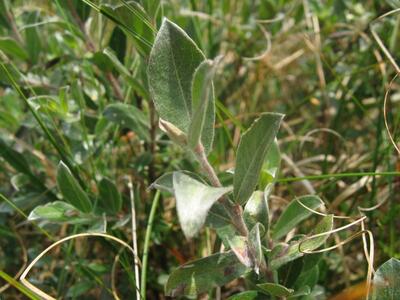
386, 282
12, 48
294, 213
71, 190
109, 197
59, 212
202, 275
256, 209
275, 289
193, 201
292, 251
128, 116
165, 182
253, 146
202, 124
172, 64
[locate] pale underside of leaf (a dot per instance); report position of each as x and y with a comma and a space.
193, 201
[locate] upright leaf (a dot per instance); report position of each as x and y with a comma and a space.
294, 213
172, 64
253, 146
386, 282
109, 196
202, 124
71, 190
202, 275
193, 201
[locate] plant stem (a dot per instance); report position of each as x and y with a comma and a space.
145, 256
235, 211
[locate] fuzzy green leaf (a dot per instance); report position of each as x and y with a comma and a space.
173, 61
253, 147
202, 275
193, 201
71, 190
294, 213
386, 282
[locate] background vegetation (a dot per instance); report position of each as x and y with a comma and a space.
73, 88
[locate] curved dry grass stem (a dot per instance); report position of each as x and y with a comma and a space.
44, 295
369, 253
385, 113
267, 50
317, 130
113, 275
320, 213
390, 57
